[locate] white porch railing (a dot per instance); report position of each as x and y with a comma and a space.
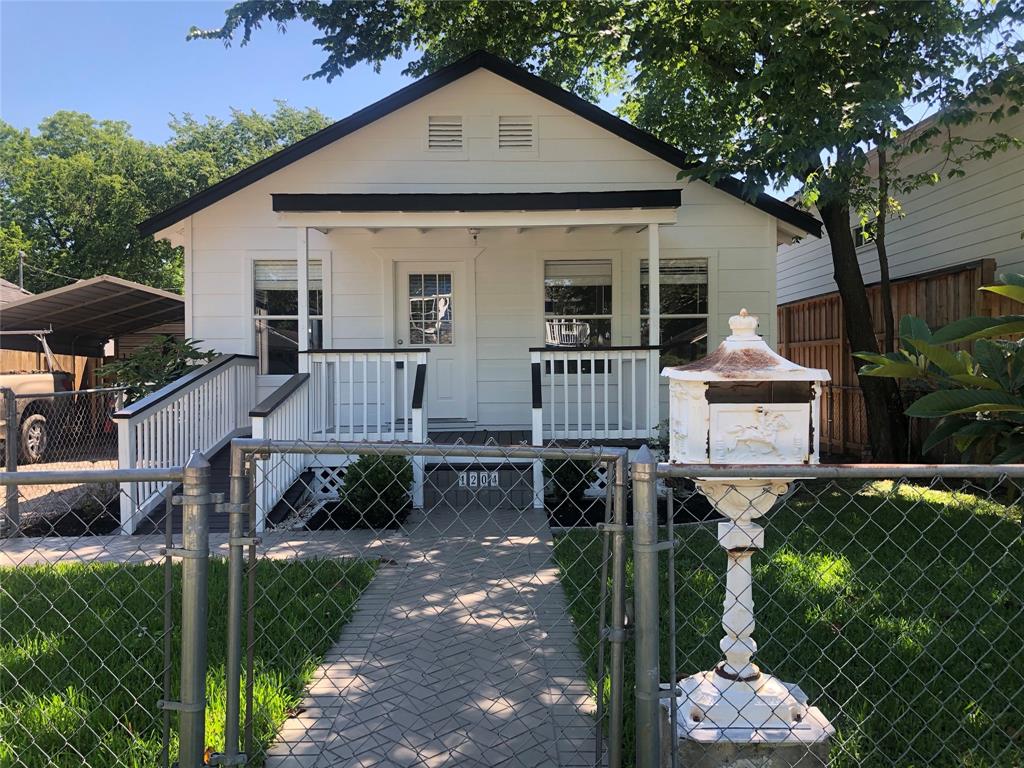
594, 393
368, 394
202, 411
284, 415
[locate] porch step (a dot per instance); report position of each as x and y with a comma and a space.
220, 471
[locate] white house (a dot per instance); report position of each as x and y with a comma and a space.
488, 231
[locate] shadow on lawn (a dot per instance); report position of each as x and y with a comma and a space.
81, 661
899, 610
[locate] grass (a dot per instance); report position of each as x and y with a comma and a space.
81, 659
898, 610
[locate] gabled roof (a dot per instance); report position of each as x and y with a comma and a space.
427, 85
83, 315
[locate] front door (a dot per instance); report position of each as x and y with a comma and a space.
432, 311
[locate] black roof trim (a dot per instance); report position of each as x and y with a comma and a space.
439, 79
477, 201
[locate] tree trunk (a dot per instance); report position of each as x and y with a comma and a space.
889, 340
886, 423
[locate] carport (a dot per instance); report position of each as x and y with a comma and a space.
82, 317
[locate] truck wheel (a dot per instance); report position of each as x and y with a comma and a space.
34, 438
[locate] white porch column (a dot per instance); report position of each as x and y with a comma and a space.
302, 270
653, 328
654, 284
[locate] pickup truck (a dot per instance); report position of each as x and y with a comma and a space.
38, 410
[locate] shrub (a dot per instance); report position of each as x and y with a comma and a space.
150, 367
376, 490
565, 485
978, 399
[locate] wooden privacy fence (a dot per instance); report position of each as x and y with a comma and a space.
812, 333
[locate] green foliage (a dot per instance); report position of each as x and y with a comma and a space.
159, 362
74, 191
979, 397
376, 488
80, 643
567, 481
245, 139
853, 591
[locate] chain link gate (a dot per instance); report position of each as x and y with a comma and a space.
891, 595
438, 609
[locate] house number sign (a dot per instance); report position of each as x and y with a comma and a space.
481, 479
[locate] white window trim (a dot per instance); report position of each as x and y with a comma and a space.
254, 258
614, 257
661, 314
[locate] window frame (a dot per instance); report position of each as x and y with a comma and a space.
610, 316
256, 317
645, 317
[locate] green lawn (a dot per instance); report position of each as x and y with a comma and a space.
81, 661
898, 611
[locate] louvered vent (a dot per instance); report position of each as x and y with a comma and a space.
515, 132
444, 132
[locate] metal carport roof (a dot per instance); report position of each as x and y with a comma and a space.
84, 315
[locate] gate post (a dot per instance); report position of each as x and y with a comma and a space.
11, 520
618, 617
237, 513
645, 575
195, 554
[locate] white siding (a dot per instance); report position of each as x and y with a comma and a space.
979, 215
391, 156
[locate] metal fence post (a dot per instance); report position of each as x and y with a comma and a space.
617, 636
238, 513
195, 554
11, 519
645, 575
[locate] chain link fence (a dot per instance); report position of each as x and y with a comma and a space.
88, 636
890, 596
404, 604
57, 431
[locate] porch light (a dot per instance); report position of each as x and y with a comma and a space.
743, 404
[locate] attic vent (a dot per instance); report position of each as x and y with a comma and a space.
444, 132
515, 132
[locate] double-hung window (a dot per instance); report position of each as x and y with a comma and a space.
578, 303
276, 313
684, 309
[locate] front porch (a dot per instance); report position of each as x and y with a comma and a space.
583, 396
421, 322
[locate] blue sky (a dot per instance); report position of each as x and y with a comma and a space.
130, 61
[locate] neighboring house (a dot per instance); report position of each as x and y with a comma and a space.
954, 236
490, 232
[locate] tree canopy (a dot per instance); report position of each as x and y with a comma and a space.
73, 191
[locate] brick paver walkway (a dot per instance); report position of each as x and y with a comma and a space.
460, 653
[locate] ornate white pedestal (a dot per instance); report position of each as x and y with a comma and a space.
735, 715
